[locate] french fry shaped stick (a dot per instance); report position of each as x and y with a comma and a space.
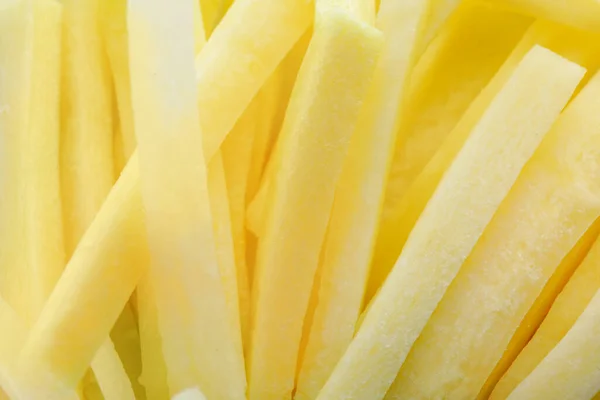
352, 226
513, 261
94, 287
478, 180
400, 216
87, 166
199, 344
319, 122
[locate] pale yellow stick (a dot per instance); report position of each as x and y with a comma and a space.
105, 253
477, 181
225, 252
399, 219
191, 291
562, 316
358, 195
513, 262
114, 29
94, 287
234, 54
110, 374
320, 120
455, 68
87, 170
570, 371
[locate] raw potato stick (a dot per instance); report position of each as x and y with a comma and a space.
319, 122
106, 256
87, 168
478, 180
110, 374
570, 371
550, 207
199, 344
358, 195
585, 281
245, 48
94, 287
398, 219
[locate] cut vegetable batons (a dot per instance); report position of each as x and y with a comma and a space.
115, 248
582, 14
358, 193
570, 371
565, 310
320, 119
87, 168
199, 345
31, 226
399, 216
114, 30
93, 289
550, 207
234, 53
449, 76
486, 167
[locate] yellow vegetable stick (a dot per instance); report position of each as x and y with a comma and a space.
234, 53
154, 370
565, 310
570, 371
45, 247
199, 345
320, 120
449, 76
583, 14
105, 256
487, 166
237, 153
225, 253
398, 221
512, 263
110, 374
189, 394
14, 333
94, 287
87, 170
114, 29
358, 194
264, 163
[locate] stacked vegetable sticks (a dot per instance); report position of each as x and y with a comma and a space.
533, 249
354, 217
121, 217
331, 199
435, 250
319, 122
